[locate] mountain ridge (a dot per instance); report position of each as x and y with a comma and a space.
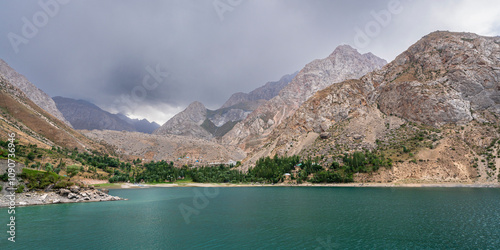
433, 110
35, 94
343, 63
88, 116
199, 122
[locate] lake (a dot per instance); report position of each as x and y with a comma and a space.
266, 218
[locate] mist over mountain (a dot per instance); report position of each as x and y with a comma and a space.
85, 115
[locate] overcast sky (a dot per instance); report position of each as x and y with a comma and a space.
107, 52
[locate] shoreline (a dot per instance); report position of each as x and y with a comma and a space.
75, 195
411, 185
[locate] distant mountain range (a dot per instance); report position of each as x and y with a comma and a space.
85, 115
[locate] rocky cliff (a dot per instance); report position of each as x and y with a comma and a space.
433, 111
36, 95
344, 63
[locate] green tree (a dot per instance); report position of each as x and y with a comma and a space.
72, 170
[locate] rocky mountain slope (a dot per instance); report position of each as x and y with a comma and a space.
199, 122
85, 115
434, 110
187, 123
34, 125
344, 63
36, 95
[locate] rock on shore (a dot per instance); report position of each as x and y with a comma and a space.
73, 195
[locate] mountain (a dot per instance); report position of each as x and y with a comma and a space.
343, 63
85, 115
187, 123
266, 92
434, 111
199, 122
140, 125
34, 125
36, 95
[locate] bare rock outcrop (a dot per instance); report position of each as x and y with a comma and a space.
443, 78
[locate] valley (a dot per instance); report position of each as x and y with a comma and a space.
429, 117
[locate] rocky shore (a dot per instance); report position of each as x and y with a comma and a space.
73, 195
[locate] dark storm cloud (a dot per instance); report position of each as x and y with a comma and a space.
103, 50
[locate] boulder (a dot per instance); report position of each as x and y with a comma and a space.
49, 187
72, 196
56, 201
74, 189
357, 136
324, 135
43, 197
64, 191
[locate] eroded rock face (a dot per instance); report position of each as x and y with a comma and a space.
441, 79
344, 63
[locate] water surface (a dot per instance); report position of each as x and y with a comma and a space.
266, 218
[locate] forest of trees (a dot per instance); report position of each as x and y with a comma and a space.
267, 170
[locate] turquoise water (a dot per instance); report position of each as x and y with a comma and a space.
266, 218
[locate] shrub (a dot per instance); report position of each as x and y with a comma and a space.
20, 189
63, 184
39, 179
72, 170
31, 156
4, 177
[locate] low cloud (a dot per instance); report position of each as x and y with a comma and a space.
100, 50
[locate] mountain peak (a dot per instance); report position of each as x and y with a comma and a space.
196, 105
344, 48
346, 52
